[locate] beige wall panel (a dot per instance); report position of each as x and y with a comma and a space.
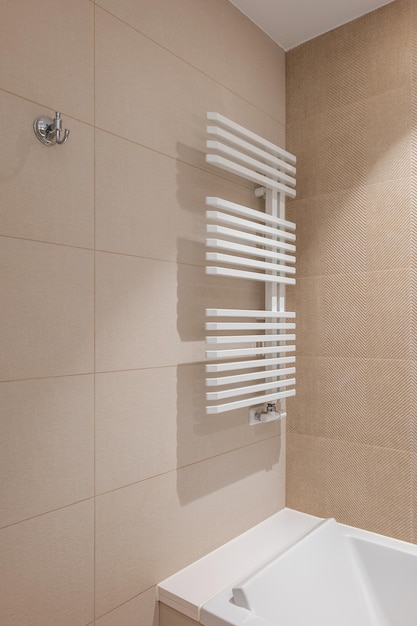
164, 100
47, 569
389, 218
151, 421
46, 445
388, 136
47, 312
142, 610
202, 38
345, 399
47, 192
389, 314
47, 54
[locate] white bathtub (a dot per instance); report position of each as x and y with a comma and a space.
317, 573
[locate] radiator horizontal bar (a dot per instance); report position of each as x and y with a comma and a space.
249, 250
250, 162
251, 136
233, 366
218, 257
250, 326
266, 278
240, 352
240, 378
248, 313
248, 339
276, 162
239, 209
244, 391
224, 218
240, 234
253, 401
244, 172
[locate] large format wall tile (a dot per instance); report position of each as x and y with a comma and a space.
47, 569
136, 313
47, 445
142, 609
388, 225
147, 531
200, 39
151, 421
47, 192
47, 310
388, 332
135, 426
47, 54
346, 315
165, 100
388, 136
136, 207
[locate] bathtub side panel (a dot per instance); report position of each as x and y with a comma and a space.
171, 617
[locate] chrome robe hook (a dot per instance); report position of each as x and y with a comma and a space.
49, 131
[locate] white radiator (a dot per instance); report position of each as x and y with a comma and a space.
249, 353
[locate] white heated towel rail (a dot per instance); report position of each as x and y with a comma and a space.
249, 352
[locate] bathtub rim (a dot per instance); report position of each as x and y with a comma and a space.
189, 589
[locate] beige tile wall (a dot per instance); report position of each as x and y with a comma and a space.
351, 120
112, 475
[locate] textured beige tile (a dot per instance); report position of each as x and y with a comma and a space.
305, 81
306, 473
344, 214
347, 494
135, 426
345, 399
46, 444
148, 531
171, 96
388, 225
344, 67
47, 569
345, 147
47, 192
201, 37
388, 331
388, 46
306, 410
47, 310
46, 54
310, 218
389, 402
136, 210
142, 609
309, 305
346, 315
307, 140
388, 136
414, 466
389, 495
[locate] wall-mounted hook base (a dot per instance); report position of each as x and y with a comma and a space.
42, 127
49, 131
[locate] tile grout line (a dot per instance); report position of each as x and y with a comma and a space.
94, 314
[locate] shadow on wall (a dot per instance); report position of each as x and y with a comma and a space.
201, 437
